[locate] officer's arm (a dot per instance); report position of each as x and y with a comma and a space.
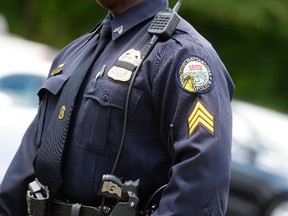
199, 182
20, 173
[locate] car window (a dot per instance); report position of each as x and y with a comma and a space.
22, 88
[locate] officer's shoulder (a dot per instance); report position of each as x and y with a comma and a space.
71, 48
77, 43
187, 36
185, 41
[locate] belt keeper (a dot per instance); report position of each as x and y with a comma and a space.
75, 210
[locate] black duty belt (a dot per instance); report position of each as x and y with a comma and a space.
39, 202
60, 208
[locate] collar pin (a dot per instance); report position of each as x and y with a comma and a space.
120, 30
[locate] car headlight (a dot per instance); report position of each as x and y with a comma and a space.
281, 209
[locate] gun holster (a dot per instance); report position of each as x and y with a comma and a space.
38, 201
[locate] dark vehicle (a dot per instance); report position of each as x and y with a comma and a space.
259, 180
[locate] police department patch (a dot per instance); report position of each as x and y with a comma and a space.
194, 75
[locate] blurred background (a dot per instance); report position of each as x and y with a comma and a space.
251, 37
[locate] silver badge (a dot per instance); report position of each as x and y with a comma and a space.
124, 67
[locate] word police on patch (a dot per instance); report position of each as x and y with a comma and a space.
194, 75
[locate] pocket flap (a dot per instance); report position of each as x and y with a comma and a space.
114, 94
53, 84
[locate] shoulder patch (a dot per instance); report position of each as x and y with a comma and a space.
194, 75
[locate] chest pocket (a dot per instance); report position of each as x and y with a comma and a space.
53, 85
48, 95
99, 122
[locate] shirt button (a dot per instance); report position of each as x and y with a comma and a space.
105, 98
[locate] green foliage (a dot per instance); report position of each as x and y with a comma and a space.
55, 22
251, 36
269, 15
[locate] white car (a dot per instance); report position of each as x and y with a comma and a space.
259, 179
23, 69
263, 131
14, 121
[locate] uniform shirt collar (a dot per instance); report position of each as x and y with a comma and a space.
135, 15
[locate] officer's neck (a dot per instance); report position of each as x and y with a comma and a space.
118, 9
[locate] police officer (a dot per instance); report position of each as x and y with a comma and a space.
178, 129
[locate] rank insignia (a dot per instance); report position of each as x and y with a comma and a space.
57, 70
120, 30
123, 68
194, 75
200, 116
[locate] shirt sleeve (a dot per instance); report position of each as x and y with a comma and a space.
202, 125
19, 174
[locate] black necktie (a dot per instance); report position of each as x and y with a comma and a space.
49, 158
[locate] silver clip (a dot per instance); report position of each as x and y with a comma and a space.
100, 73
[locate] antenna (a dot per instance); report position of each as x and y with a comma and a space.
177, 6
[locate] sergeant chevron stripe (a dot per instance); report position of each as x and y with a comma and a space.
200, 117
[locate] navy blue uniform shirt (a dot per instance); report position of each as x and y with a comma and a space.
182, 83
